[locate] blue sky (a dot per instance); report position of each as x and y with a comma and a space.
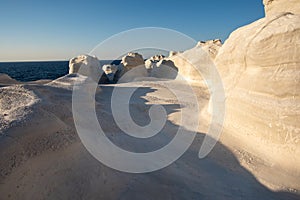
59, 30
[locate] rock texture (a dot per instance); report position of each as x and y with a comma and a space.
164, 69
260, 68
15, 104
111, 72
211, 47
88, 65
157, 57
280, 6
5, 79
151, 62
190, 60
132, 60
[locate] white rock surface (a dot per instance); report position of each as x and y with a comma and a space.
211, 47
111, 71
259, 65
173, 53
164, 69
150, 64
88, 65
273, 7
157, 57
190, 60
15, 103
132, 60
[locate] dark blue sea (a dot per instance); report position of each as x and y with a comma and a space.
32, 71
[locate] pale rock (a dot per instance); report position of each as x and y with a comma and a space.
193, 64
111, 71
211, 47
164, 69
172, 53
157, 57
132, 60
150, 64
86, 65
273, 7
259, 66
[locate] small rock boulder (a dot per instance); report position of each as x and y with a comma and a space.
132, 60
86, 65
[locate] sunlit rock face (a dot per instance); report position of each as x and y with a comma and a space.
280, 6
260, 68
211, 47
195, 64
88, 65
112, 72
132, 60
164, 69
133, 66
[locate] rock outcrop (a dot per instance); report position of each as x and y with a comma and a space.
112, 72
132, 60
133, 66
211, 47
157, 57
260, 68
164, 69
5, 79
190, 60
280, 6
151, 62
88, 65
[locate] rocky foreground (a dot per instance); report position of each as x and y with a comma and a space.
43, 158
257, 156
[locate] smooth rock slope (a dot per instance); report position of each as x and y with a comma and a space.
260, 68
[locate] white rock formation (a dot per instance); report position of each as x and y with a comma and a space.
157, 57
164, 69
132, 60
259, 65
172, 53
133, 66
150, 64
279, 6
110, 71
190, 60
88, 65
211, 47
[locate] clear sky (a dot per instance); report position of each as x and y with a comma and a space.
59, 30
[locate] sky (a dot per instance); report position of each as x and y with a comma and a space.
60, 30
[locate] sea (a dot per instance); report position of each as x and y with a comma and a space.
32, 71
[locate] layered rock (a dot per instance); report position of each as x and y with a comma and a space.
280, 6
260, 68
86, 65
